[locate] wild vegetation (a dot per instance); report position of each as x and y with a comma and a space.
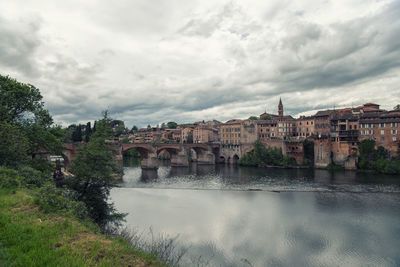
262, 156
378, 160
32, 230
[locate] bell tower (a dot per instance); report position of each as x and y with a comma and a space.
280, 108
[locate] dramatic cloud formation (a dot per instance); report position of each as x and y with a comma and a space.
150, 62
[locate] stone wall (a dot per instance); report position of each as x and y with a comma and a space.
322, 153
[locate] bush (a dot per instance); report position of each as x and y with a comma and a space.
53, 199
33, 177
9, 178
262, 156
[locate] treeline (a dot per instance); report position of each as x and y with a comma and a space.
378, 160
83, 132
262, 156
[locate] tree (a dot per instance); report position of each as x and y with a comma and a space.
172, 125
134, 128
397, 107
254, 118
24, 121
94, 172
88, 132
77, 134
148, 127
118, 127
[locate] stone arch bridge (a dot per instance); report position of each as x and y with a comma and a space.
179, 154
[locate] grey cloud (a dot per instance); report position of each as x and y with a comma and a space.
343, 53
18, 44
155, 62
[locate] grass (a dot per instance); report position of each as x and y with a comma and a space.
30, 237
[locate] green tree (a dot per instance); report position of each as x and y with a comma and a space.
94, 172
88, 132
24, 122
77, 134
172, 125
254, 118
134, 128
397, 107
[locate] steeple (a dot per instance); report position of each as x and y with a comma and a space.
280, 108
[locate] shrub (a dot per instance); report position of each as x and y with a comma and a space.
9, 178
33, 177
53, 199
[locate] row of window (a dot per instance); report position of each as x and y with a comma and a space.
391, 131
266, 135
232, 142
230, 130
381, 125
231, 135
394, 139
286, 125
307, 123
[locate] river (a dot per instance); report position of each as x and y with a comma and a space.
241, 216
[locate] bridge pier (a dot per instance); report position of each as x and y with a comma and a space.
180, 159
150, 162
206, 157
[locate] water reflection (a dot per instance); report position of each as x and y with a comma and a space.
321, 222
247, 178
272, 229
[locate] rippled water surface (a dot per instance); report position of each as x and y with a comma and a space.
238, 216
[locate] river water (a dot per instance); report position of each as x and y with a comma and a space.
240, 216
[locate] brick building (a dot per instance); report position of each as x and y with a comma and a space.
305, 127
230, 132
203, 134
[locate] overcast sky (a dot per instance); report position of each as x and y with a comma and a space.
155, 61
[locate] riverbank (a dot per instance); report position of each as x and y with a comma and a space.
30, 237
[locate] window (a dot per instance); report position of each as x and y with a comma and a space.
383, 139
394, 131
394, 138
382, 132
382, 125
394, 124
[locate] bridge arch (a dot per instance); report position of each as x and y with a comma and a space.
143, 149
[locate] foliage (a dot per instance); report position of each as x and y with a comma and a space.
308, 146
125, 140
266, 117
9, 178
19, 101
94, 175
376, 159
25, 126
33, 176
254, 118
172, 125
397, 107
132, 153
13, 145
263, 156
134, 128
53, 199
117, 126
77, 134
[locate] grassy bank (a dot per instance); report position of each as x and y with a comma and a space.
30, 237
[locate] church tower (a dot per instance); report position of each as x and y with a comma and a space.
280, 108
